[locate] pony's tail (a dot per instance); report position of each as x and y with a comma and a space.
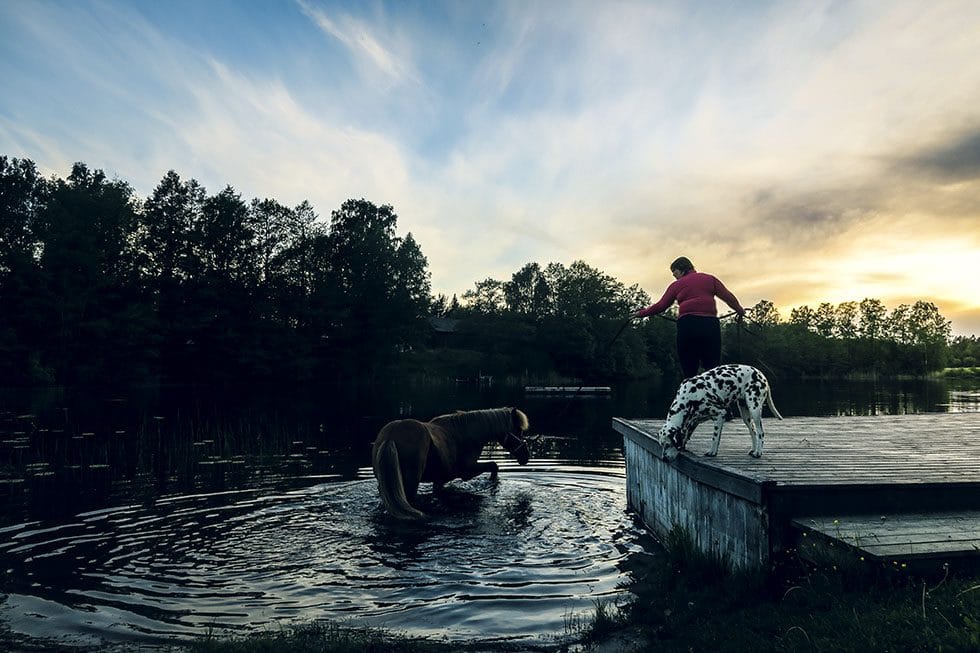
390, 485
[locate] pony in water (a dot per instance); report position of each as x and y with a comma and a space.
407, 452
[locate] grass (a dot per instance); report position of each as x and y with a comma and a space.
317, 636
695, 604
972, 373
332, 637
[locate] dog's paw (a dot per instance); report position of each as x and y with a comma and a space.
755, 455
710, 454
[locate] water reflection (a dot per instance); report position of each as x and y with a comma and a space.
162, 515
506, 554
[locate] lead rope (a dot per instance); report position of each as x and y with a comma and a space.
605, 350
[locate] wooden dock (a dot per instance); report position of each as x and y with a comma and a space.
912, 481
568, 389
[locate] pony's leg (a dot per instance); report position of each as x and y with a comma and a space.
411, 487
476, 469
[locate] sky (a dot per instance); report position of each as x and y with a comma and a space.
803, 152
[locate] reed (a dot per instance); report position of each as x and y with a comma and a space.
971, 373
332, 637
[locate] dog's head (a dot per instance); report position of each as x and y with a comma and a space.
672, 441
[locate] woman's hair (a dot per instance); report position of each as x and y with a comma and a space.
683, 264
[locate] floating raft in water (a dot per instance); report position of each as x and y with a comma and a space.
569, 389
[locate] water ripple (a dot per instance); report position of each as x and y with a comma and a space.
511, 559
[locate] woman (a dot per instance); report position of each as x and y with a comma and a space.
698, 326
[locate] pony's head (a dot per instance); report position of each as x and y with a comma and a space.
513, 441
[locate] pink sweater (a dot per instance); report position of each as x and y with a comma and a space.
695, 294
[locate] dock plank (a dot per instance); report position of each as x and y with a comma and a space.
930, 448
892, 482
903, 536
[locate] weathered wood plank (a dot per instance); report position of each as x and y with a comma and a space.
924, 523
932, 448
722, 523
719, 476
903, 536
834, 467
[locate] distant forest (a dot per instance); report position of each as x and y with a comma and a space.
99, 286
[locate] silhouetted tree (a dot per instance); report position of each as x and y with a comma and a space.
92, 301
23, 196
380, 287
528, 292
97, 286
166, 241
487, 297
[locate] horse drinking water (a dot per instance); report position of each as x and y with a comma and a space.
407, 452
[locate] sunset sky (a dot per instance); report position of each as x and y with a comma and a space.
802, 151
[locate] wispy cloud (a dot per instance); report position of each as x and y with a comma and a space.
362, 43
953, 161
784, 146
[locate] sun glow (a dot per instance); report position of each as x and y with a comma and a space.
900, 271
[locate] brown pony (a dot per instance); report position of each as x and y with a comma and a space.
408, 451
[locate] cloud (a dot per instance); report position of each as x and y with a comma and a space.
365, 47
953, 161
776, 145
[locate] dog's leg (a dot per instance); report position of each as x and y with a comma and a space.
758, 422
755, 427
716, 437
759, 438
745, 414
747, 417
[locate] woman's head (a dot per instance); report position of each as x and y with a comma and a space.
681, 266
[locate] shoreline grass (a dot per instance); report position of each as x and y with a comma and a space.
845, 605
334, 637
692, 602
968, 373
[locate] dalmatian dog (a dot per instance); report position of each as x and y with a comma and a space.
707, 396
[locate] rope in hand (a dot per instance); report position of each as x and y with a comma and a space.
760, 361
619, 332
602, 353
741, 326
671, 318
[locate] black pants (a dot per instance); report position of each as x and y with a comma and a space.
698, 343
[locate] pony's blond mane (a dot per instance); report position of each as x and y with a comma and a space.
481, 423
522, 420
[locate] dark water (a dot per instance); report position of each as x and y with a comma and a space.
162, 514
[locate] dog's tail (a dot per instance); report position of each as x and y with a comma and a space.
772, 406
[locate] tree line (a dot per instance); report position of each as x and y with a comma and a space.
98, 285
846, 339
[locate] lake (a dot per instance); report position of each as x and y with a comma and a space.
159, 514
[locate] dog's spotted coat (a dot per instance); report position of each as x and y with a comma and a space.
708, 396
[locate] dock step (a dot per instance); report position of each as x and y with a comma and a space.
899, 537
